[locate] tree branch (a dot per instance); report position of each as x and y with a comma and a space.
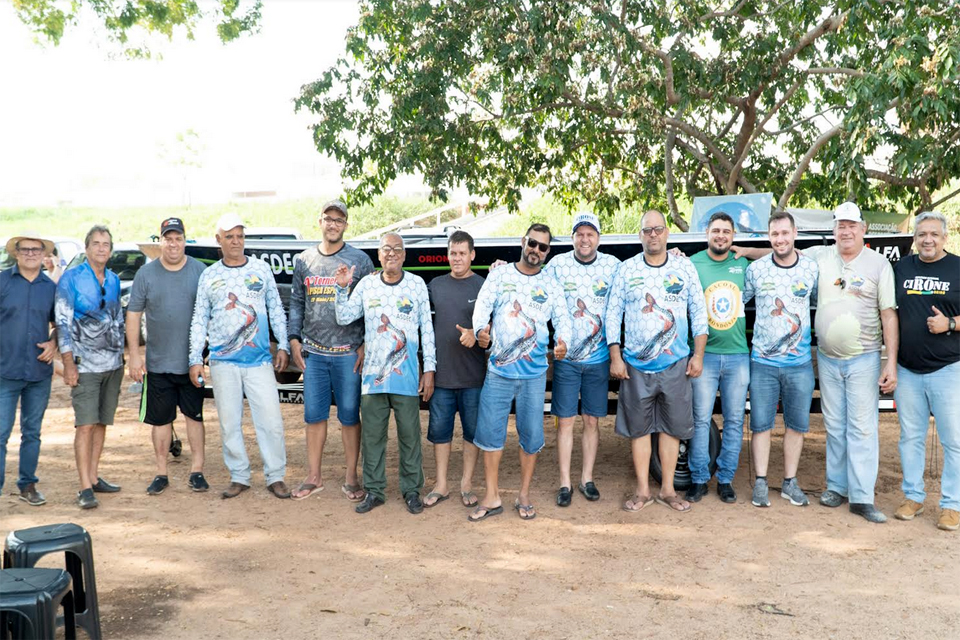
723, 14
892, 179
939, 202
804, 163
828, 71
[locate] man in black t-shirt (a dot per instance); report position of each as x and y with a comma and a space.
928, 371
461, 367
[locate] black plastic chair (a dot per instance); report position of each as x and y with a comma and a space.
29, 600
24, 548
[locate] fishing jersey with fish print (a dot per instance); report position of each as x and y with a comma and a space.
521, 305
585, 287
396, 317
90, 319
658, 306
231, 312
781, 332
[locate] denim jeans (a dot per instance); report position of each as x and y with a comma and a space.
495, 398
769, 384
331, 374
730, 373
33, 398
230, 383
849, 397
444, 405
918, 395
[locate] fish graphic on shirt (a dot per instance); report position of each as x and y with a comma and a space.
244, 335
396, 356
789, 341
665, 336
520, 348
588, 344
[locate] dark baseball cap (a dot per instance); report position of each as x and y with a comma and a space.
336, 205
171, 224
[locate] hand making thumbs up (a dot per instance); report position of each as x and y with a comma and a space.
560, 349
483, 337
467, 338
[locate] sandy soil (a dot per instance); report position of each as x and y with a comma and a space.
186, 565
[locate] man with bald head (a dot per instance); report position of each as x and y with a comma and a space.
395, 307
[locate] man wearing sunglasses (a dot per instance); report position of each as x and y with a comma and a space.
585, 275
90, 334
521, 300
395, 307
27, 351
658, 298
329, 354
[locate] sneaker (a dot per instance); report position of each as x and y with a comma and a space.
102, 486
761, 493
832, 499
908, 510
87, 500
726, 492
949, 520
31, 496
791, 491
868, 512
197, 482
158, 485
696, 492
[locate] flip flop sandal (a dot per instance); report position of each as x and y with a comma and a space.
488, 512
639, 503
525, 507
468, 499
439, 497
306, 486
670, 501
347, 489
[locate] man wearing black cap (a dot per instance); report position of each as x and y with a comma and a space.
166, 289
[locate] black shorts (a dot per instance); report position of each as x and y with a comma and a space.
162, 393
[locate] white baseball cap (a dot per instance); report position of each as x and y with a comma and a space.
586, 218
229, 221
847, 211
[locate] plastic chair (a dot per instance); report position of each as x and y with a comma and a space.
29, 600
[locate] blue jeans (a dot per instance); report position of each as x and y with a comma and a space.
444, 405
730, 373
918, 395
326, 375
498, 392
849, 397
33, 398
230, 383
769, 384
588, 383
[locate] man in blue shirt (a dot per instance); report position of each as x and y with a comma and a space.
27, 350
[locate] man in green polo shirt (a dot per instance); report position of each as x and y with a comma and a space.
726, 362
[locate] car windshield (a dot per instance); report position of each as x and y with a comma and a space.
124, 263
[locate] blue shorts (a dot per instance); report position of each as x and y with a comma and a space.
769, 384
495, 400
326, 377
444, 405
589, 383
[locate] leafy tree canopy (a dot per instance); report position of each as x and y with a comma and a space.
49, 19
634, 101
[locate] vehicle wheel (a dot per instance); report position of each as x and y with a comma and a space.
287, 377
681, 478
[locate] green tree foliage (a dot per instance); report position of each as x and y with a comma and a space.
636, 101
49, 19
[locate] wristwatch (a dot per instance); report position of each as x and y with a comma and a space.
951, 325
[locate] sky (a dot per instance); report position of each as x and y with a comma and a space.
82, 126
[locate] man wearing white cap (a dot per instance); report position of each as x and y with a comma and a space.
235, 296
585, 275
27, 349
856, 316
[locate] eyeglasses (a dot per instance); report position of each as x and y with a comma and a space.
536, 244
103, 296
337, 222
653, 231
840, 282
387, 249
29, 251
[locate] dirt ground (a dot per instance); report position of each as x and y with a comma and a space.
187, 565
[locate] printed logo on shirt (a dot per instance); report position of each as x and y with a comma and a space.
635, 282
799, 289
735, 269
723, 304
253, 282
404, 305
508, 287
600, 288
768, 286
673, 283
926, 286
537, 294
856, 282
373, 303
217, 284
569, 286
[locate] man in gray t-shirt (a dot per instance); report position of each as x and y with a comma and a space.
330, 354
166, 290
461, 367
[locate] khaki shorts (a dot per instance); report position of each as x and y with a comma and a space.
95, 397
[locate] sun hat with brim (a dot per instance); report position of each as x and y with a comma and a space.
30, 235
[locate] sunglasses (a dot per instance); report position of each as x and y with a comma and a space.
103, 295
540, 246
650, 231
840, 282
